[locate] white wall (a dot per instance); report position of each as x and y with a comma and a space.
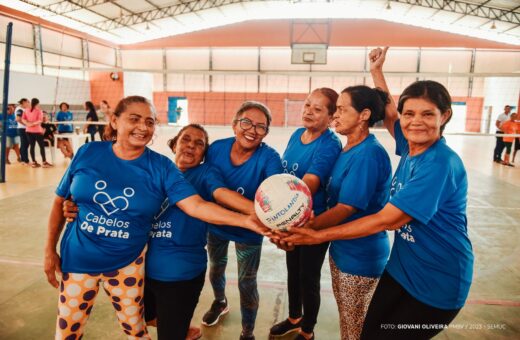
48, 89
138, 83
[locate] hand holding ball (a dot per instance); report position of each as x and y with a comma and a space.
283, 201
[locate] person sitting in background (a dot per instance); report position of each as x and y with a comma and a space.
48, 129
12, 138
91, 117
63, 143
509, 127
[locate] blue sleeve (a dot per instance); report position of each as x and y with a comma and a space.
273, 163
63, 189
401, 144
214, 180
422, 195
177, 187
324, 159
358, 187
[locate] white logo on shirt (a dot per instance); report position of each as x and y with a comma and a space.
108, 204
293, 168
241, 191
164, 206
406, 231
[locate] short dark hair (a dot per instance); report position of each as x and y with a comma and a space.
364, 97
63, 103
23, 100
430, 90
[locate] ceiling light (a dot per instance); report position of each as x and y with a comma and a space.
493, 26
388, 7
147, 26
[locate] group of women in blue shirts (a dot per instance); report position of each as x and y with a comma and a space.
143, 232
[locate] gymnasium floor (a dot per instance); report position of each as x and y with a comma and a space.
28, 302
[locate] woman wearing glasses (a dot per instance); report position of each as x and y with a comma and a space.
310, 155
244, 161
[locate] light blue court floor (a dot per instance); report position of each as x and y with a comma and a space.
28, 302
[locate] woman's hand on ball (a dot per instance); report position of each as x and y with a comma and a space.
302, 236
254, 224
281, 244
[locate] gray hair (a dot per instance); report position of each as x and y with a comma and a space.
250, 104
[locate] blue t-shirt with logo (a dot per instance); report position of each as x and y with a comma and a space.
62, 116
11, 125
117, 201
176, 248
432, 257
315, 158
244, 179
361, 179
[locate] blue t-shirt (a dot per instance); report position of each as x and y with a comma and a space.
11, 125
315, 158
176, 248
432, 257
117, 200
64, 117
244, 179
361, 179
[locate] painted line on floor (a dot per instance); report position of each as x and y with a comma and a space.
28, 263
492, 207
493, 302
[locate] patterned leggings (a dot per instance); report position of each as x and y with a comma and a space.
248, 258
125, 289
353, 294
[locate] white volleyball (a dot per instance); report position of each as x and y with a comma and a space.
283, 201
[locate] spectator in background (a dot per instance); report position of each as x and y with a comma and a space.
24, 142
32, 118
91, 117
48, 129
63, 143
12, 138
509, 127
497, 155
104, 115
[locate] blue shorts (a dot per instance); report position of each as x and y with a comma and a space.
11, 141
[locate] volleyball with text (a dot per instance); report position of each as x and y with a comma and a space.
283, 201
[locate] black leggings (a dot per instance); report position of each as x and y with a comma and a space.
499, 147
303, 281
34, 138
173, 304
394, 314
24, 146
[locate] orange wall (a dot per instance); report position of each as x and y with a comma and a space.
474, 108
218, 108
102, 87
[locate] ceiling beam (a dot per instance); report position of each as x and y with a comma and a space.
179, 8
465, 8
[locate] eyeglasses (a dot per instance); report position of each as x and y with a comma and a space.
246, 124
